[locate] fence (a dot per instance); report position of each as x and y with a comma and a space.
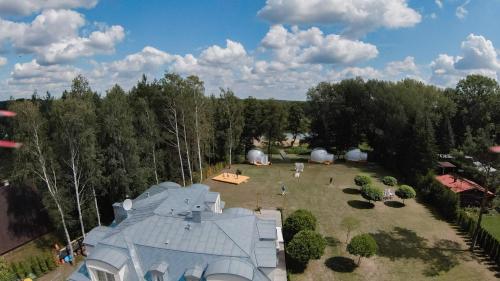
489, 243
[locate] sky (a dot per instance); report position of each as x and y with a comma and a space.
266, 49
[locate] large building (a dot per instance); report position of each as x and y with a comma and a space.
170, 233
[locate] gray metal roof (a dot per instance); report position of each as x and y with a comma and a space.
153, 238
96, 235
267, 229
112, 256
231, 266
160, 267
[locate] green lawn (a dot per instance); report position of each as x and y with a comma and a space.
492, 224
414, 243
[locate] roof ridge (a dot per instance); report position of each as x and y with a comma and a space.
231, 238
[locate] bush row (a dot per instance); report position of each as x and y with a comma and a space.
36, 266
489, 243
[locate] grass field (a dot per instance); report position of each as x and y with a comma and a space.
414, 244
492, 224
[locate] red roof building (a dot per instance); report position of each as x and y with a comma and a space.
470, 192
459, 185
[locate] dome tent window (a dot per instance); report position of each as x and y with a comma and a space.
257, 157
320, 155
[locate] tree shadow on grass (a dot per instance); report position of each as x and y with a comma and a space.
350, 190
341, 264
358, 204
394, 204
404, 243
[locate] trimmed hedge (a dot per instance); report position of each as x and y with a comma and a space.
361, 180
489, 243
371, 193
390, 181
306, 245
298, 221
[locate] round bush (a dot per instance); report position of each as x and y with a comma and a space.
362, 245
361, 180
306, 245
406, 192
298, 221
390, 181
371, 193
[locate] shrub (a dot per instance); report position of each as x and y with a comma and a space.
390, 181
49, 260
35, 267
298, 221
371, 193
362, 245
18, 269
406, 192
361, 180
306, 245
42, 264
25, 268
6, 271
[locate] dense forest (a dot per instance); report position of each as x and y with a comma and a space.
86, 150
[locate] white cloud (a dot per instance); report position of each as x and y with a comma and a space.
478, 53
28, 7
478, 57
433, 16
311, 46
27, 77
3, 61
439, 3
357, 16
406, 67
216, 55
461, 12
53, 37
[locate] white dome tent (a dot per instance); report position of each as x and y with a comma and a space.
320, 155
257, 157
356, 155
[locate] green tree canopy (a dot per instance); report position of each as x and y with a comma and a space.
362, 245
371, 193
406, 192
361, 180
298, 221
306, 245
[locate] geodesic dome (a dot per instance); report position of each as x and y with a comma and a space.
356, 155
256, 156
320, 155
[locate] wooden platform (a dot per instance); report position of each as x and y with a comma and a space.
231, 178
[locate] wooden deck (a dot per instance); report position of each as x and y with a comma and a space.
231, 178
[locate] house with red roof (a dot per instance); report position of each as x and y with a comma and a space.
470, 193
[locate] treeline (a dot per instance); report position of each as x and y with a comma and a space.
407, 123
86, 151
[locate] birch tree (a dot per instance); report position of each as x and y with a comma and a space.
74, 125
35, 157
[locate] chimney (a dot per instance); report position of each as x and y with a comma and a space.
196, 213
120, 213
